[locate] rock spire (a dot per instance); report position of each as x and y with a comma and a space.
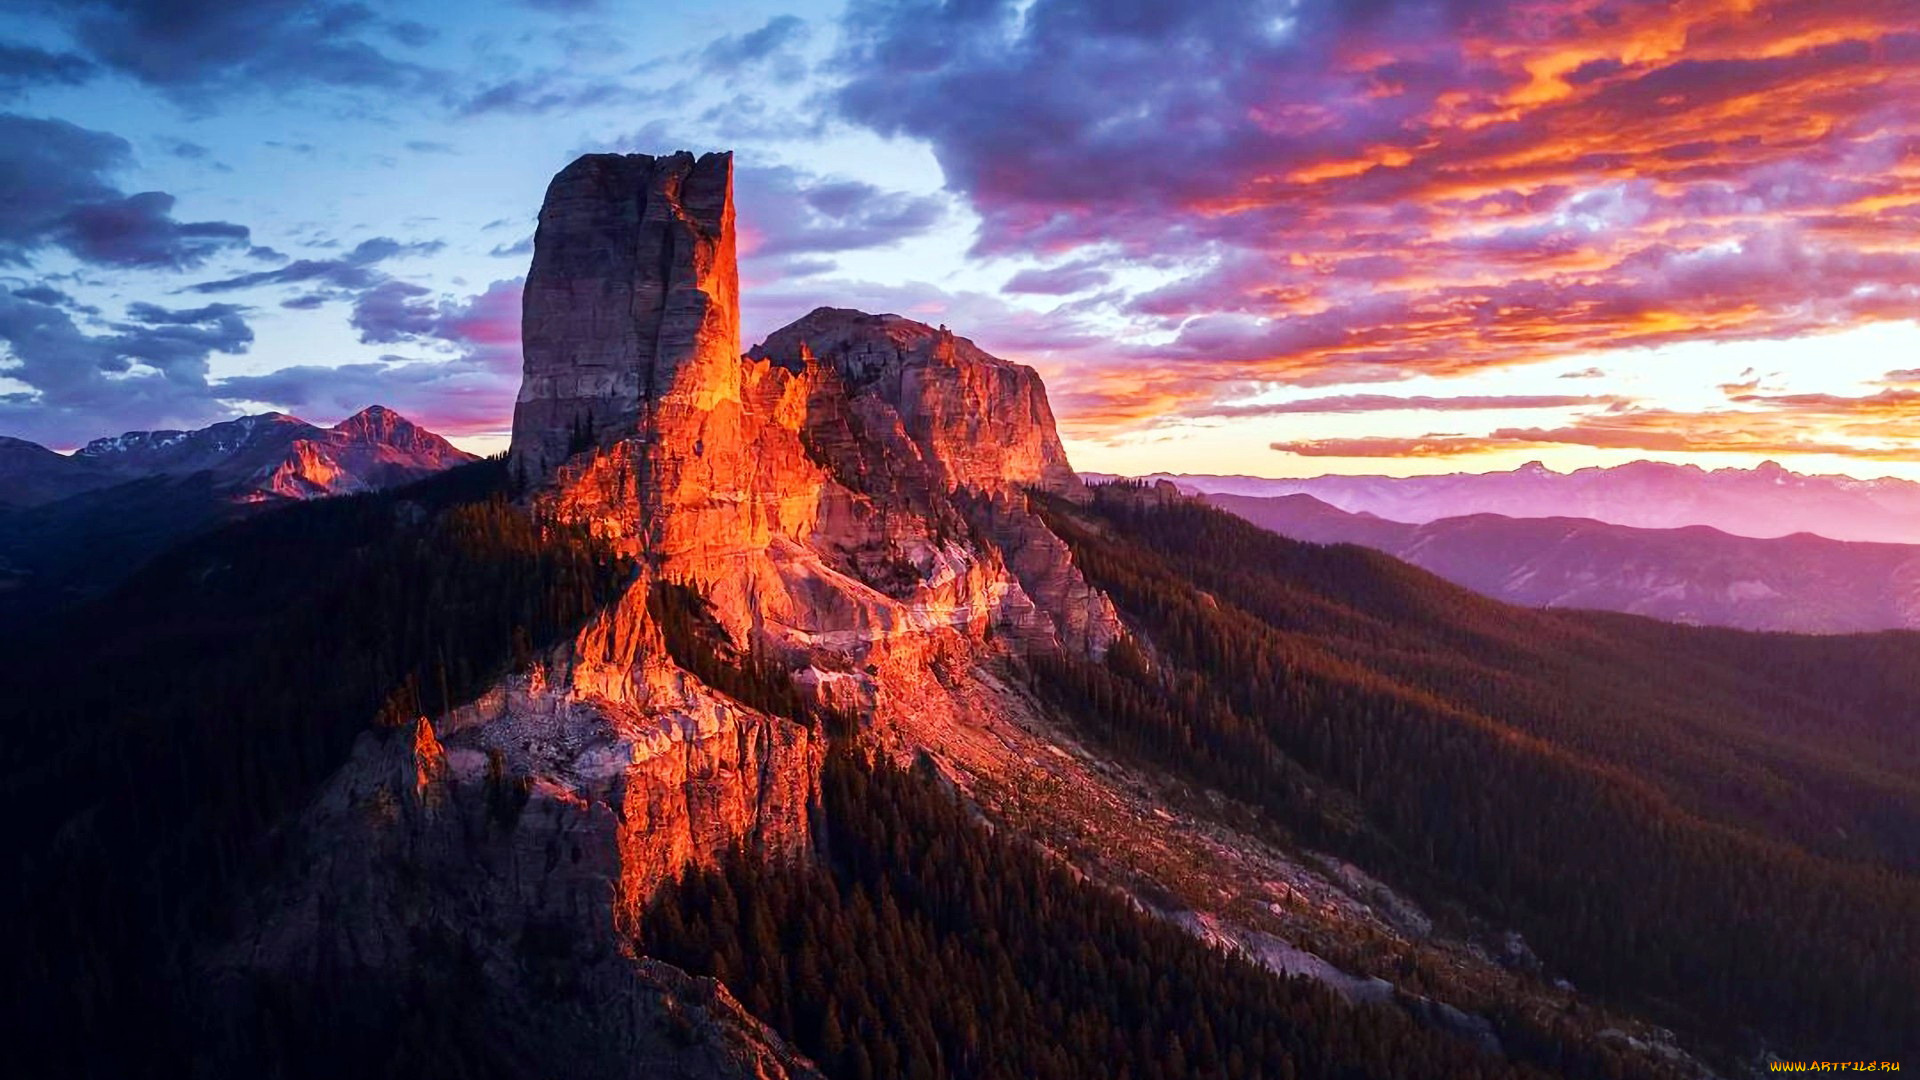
633, 283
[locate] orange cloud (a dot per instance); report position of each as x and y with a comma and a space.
1408, 188
1723, 173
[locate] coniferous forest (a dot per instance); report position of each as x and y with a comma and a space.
158, 736
1590, 780
1600, 782
919, 943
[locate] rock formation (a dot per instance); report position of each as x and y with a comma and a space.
853, 501
824, 488
847, 497
980, 421
850, 501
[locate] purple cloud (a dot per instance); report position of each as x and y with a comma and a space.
796, 212
194, 50
55, 191
149, 370
354, 271
1062, 280
471, 391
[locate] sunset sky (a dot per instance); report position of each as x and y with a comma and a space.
1281, 239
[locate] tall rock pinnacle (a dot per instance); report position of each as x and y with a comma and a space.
633, 283
854, 479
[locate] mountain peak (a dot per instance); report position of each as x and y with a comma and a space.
378, 421
1766, 500
170, 450
31, 474
8, 442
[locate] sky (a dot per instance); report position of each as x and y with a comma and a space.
1276, 238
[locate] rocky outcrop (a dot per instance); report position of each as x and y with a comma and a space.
833, 491
534, 806
850, 499
978, 420
525, 833
850, 496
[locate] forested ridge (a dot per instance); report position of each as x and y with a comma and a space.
156, 737
1654, 806
921, 943
1495, 754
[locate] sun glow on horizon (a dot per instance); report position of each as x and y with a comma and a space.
1796, 410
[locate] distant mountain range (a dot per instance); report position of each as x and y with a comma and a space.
1765, 501
71, 525
252, 459
1695, 574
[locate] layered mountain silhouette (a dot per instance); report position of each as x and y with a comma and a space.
797, 711
1765, 501
1696, 574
